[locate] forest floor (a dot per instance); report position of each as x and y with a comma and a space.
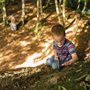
23, 54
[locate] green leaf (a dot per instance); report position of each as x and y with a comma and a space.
87, 78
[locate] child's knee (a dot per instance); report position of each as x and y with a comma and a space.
48, 61
54, 66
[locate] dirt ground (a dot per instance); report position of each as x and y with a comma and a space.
20, 52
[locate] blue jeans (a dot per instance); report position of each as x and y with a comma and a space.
53, 63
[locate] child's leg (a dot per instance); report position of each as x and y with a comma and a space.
50, 60
53, 63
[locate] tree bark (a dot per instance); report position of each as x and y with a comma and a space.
57, 10
38, 15
4, 13
63, 11
23, 11
78, 4
83, 10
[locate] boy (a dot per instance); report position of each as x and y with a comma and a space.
64, 50
12, 21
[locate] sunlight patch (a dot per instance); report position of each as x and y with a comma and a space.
24, 43
36, 59
30, 61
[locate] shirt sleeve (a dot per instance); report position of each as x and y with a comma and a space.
72, 48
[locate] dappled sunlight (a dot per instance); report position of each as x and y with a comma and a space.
25, 49
24, 52
30, 61
37, 59
74, 31
24, 43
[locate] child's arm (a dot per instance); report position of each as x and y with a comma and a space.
54, 51
73, 60
73, 52
55, 55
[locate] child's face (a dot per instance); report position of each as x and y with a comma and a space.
58, 38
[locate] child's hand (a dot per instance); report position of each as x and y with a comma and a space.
56, 57
67, 63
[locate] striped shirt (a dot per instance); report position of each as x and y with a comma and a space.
64, 52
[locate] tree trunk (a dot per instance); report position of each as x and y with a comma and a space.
4, 13
57, 10
23, 11
83, 10
63, 11
38, 15
41, 8
78, 4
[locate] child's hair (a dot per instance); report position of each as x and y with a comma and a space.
58, 29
